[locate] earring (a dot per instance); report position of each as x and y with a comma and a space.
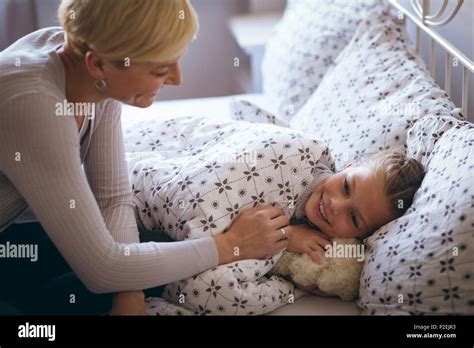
100, 85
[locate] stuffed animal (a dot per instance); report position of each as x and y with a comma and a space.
337, 274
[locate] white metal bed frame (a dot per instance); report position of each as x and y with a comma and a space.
423, 21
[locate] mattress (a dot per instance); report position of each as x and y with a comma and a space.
215, 107
218, 107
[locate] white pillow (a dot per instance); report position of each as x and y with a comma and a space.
244, 110
422, 137
306, 42
374, 94
423, 262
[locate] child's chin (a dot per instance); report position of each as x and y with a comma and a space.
312, 224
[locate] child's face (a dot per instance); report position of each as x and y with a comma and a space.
353, 204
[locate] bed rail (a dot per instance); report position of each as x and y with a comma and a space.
423, 21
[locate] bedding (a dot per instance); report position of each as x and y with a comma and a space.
418, 264
191, 176
318, 305
373, 96
244, 110
304, 47
379, 92
305, 303
423, 262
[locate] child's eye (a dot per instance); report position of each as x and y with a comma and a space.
346, 186
354, 220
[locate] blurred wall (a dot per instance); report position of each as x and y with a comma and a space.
208, 66
17, 18
266, 5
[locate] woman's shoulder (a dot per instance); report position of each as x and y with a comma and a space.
30, 65
33, 45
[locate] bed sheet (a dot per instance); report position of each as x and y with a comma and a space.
219, 107
208, 107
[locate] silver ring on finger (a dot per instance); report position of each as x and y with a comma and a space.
283, 233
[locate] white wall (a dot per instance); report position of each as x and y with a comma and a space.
17, 18
208, 67
266, 5
46, 11
460, 32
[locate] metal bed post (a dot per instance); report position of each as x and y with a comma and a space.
423, 21
447, 74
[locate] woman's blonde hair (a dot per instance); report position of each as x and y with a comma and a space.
140, 30
402, 177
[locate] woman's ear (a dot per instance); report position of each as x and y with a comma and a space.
94, 65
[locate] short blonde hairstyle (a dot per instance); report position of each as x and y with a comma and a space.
402, 176
141, 30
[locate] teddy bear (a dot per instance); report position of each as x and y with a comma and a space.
338, 272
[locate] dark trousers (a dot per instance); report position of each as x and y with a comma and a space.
47, 286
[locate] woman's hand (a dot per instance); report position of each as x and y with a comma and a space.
305, 240
253, 235
128, 303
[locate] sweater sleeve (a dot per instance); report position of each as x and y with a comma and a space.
107, 173
40, 154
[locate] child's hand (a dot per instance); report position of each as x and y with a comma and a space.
303, 239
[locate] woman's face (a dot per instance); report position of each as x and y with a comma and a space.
139, 83
350, 203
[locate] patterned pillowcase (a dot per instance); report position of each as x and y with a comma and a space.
424, 135
243, 110
307, 41
374, 94
423, 262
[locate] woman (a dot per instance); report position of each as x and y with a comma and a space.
106, 52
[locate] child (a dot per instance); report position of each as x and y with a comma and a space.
355, 202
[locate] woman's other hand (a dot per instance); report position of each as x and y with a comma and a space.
128, 303
254, 234
305, 240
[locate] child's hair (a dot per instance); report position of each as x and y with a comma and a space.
402, 177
